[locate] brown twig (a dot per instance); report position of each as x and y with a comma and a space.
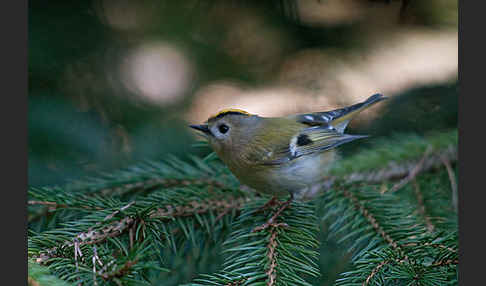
375, 271
445, 262
437, 245
421, 209
156, 183
54, 205
92, 236
372, 220
119, 227
379, 266
452, 179
119, 272
89, 238
271, 221
399, 171
196, 207
45, 203
412, 174
271, 255
128, 188
237, 282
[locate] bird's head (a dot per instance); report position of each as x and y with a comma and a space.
228, 129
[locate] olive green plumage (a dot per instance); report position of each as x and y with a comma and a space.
281, 155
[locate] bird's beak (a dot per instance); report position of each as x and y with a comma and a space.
203, 128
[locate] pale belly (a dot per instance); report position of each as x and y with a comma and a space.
301, 176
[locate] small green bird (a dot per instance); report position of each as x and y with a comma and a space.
283, 155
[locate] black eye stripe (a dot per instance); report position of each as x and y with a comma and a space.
223, 128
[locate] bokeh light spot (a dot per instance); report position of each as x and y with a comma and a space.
158, 72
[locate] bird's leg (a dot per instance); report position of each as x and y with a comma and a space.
271, 221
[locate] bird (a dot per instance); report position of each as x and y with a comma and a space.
279, 156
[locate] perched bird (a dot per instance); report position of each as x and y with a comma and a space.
281, 155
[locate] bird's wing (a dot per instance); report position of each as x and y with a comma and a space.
338, 118
308, 141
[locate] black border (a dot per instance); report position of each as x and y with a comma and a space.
471, 117
14, 55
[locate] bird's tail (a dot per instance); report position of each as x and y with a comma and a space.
342, 116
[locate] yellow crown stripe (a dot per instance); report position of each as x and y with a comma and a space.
230, 110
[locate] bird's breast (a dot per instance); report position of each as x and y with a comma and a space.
293, 176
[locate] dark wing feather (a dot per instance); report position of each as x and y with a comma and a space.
338, 118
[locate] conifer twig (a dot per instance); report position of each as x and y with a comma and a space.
379, 266
156, 183
421, 209
271, 255
237, 282
53, 205
437, 245
446, 262
402, 170
412, 174
119, 272
119, 227
452, 179
375, 271
91, 236
196, 207
371, 219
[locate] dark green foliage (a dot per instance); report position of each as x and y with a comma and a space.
173, 222
41, 275
419, 110
391, 245
290, 248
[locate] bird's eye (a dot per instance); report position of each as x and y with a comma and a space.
223, 128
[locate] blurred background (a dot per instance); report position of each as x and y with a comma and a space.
115, 82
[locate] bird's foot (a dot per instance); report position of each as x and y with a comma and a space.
271, 221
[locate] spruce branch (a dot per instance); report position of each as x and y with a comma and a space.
397, 158
371, 219
221, 206
433, 201
390, 268
41, 276
151, 175
422, 208
398, 233
412, 173
452, 179
375, 271
129, 224
273, 256
91, 236
121, 228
